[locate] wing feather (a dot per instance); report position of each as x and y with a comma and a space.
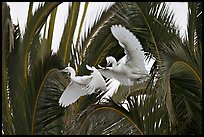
122, 78
97, 82
71, 94
132, 47
112, 87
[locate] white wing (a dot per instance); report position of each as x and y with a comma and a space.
121, 77
82, 80
112, 87
71, 94
97, 81
132, 47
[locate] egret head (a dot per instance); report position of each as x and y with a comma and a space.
68, 70
110, 60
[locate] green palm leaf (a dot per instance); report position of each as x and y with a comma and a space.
32, 28
7, 43
30, 12
47, 108
42, 95
170, 102
149, 113
107, 120
68, 33
182, 74
151, 22
51, 28
90, 40
194, 23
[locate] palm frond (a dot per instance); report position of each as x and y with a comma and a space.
108, 120
81, 24
68, 33
30, 12
194, 24
51, 28
6, 45
47, 108
41, 95
194, 42
33, 27
148, 110
151, 22
170, 102
88, 38
184, 81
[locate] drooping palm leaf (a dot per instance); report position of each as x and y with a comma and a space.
107, 120
16, 79
81, 24
68, 33
51, 28
87, 39
149, 114
34, 26
12, 65
22, 104
184, 84
194, 24
6, 42
39, 96
47, 108
33, 105
30, 14
151, 22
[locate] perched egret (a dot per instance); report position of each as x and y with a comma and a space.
131, 67
81, 85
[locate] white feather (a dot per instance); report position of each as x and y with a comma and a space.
71, 94
97, 82
112, 88
81, 85
131, 67
121, 77
131, 45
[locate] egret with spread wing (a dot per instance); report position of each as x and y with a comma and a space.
81, 85
131, 67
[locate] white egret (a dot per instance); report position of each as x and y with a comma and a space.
131, 67
81, 85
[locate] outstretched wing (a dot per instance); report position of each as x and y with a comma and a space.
132, 47
71, 94
112, 87
122, 78
97, 81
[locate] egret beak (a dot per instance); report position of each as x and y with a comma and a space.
64, 70
108, 63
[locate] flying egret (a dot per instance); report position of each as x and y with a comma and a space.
81, 85
131, 67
